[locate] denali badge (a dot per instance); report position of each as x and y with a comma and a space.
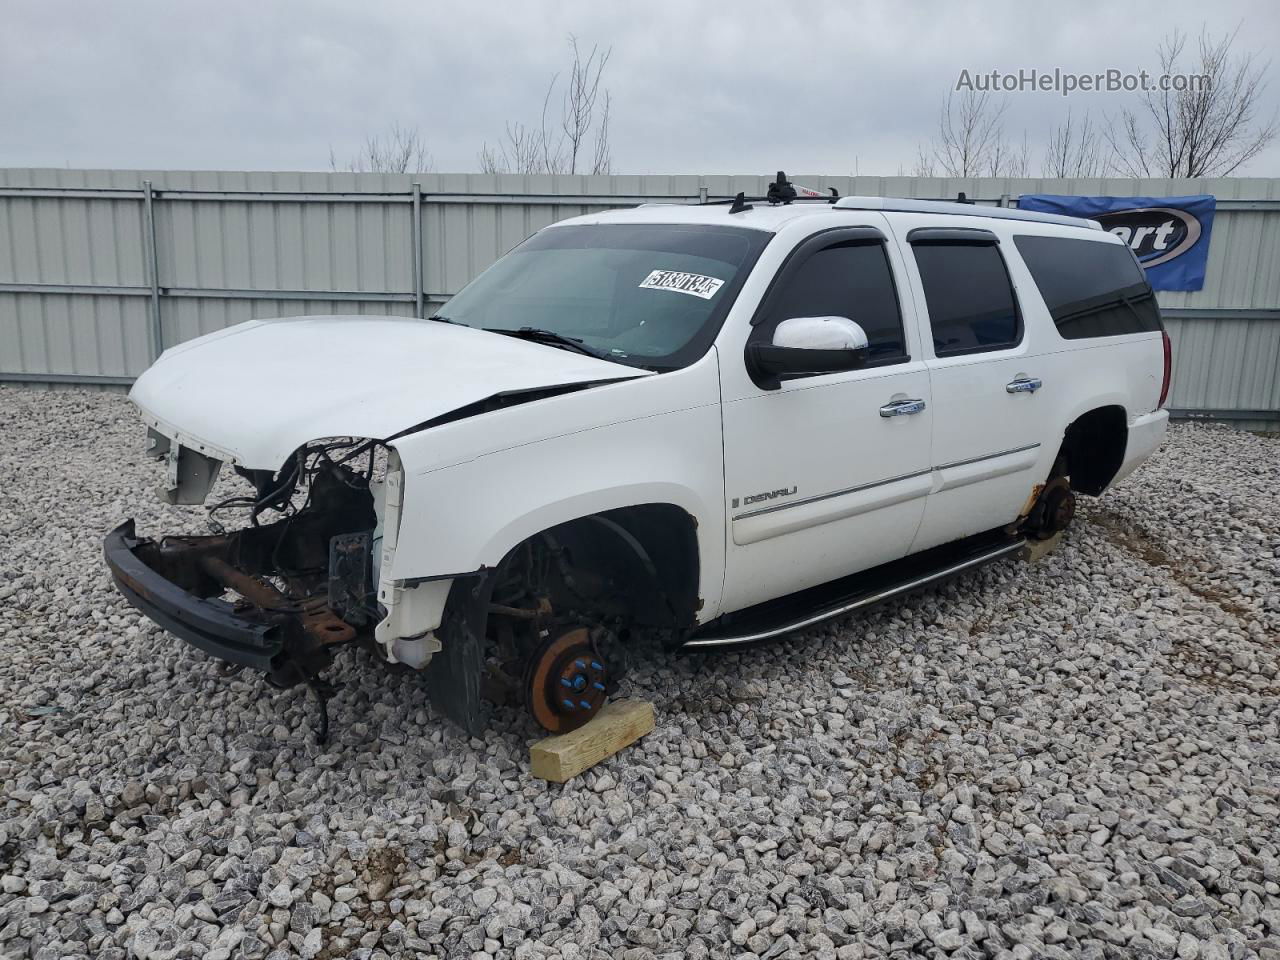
770, 495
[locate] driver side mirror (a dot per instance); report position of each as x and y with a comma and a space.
807, 345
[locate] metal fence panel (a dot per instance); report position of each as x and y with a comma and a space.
79, 302
1224, 364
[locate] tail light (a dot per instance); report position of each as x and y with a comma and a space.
1168, 368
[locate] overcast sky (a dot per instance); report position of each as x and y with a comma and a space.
735, 86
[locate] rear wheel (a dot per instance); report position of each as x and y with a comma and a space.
1053, 511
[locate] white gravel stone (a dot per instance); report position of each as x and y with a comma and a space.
1076, 758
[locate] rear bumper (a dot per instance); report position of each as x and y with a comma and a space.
1145, 435
210, 625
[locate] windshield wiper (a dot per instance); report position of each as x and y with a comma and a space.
551, 339
441, 318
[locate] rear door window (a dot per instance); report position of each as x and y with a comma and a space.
1092, 288
972, 308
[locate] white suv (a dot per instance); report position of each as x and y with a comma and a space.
720, 422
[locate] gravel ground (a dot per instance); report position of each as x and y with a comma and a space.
1078, 758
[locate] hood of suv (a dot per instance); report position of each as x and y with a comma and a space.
254, 393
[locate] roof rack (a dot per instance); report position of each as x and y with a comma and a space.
963, 208
781, 191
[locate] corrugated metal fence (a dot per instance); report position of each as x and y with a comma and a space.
101, 269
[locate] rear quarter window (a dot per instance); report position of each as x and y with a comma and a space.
1092, 289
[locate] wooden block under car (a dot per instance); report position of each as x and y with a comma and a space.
1038, 549
619, 724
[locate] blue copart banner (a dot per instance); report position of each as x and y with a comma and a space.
1169, 235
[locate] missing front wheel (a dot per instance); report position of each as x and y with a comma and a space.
566, 680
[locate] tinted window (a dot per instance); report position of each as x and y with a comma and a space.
647, 294
970, 299
1092, 289
845, 280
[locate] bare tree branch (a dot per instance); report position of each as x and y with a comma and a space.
519, 151
924, 166
563, 143
1010, 159
1208, 128
578, 111
1073, 149
969, 138
602, 160
399, 150
551, 147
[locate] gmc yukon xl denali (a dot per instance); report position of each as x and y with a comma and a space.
716, 423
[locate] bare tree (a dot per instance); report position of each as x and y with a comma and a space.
1207, 128
578, 112
399, 150
520, 151
925, 165
563, 143
1074, 149
970, 136
550, 145
1010, 159
602, 157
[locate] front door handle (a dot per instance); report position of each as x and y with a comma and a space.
1023, 385
901, 408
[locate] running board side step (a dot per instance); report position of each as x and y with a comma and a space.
787, 614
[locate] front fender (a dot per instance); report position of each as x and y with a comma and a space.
468, 516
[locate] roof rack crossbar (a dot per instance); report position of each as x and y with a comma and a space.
721, 201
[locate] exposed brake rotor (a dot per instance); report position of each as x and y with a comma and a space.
1060, 508
566, 682
1054, 509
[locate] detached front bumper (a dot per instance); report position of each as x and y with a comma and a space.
211, 625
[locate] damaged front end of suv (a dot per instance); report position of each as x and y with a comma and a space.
348, 494
278, 595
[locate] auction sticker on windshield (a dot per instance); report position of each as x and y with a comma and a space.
691, 283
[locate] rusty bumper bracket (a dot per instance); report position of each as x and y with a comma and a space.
210, 625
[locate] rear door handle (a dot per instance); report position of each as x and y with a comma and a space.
901, 408
1023, 385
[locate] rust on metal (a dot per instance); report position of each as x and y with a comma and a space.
567, 682
257, 591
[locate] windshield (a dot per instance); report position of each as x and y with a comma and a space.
652, 295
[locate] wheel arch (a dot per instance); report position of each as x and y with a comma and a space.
1093, 448
651, 547
654, 542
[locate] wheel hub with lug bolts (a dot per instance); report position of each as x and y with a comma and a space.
568, 681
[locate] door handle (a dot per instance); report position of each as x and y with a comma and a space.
901, 408
1023, 385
